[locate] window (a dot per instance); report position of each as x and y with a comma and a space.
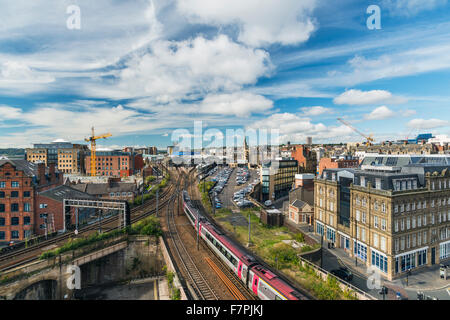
383, 224
14, 221
2, 194
2, 235
26, 207
42, 205
14, 194
361, 251
14, 234
383, 207
14, 184
396, 208
378, 183
363, 220
375, 221
422, 257
26, 194
2, 207
26, 220
396, 225
363, 234
402, 224
375, 240
379, 261
357, 215
408, 224
383, 243
2, 221
396, 245
2, 184
413, 222
14, 207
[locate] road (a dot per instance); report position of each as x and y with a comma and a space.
330, 262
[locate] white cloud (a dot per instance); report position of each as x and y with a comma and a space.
9, 113
315, 111
260, 22
411, 7
408, 113
188, 69
380, 113
427, 123
295, 128
358, 97
240, 104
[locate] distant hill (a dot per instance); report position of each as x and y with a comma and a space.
13, 152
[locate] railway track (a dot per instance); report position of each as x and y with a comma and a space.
13, 258
201, 288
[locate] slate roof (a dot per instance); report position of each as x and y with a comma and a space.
298, 204
64, 192
105, 188
30, 169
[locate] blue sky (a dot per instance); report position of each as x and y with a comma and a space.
143, 69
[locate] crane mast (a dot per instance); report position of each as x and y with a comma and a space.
369, 139
92, 139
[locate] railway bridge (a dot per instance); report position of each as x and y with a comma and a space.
48, 279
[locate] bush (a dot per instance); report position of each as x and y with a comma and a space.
284, 253
299, 237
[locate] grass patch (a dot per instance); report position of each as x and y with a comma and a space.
149, 226
152, 193
268, 245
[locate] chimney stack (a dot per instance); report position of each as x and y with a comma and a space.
51, 172
41, 174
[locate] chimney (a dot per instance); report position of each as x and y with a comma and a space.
51, 172
41, 174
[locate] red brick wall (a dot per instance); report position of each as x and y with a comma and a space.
115, 169
8, 174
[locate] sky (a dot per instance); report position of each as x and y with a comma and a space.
144, 70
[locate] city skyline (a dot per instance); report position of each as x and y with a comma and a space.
295, 68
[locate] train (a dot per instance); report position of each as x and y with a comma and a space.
260, 280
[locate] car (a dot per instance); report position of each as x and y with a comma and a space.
268, 203
342, 273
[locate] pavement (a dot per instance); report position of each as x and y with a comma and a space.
426, 280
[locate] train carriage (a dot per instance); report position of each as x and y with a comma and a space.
261, 281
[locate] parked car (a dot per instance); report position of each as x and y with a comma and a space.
342, 273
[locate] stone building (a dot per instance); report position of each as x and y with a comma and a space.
392, 213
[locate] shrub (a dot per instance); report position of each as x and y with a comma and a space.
299, 237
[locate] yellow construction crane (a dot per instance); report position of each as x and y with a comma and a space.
369, 139
92, 139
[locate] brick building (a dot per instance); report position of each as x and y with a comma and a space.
337, 163
301, 212
306, 158
114, 189
49, 213
115, 163
20, 181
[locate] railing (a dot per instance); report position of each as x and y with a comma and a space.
360, 294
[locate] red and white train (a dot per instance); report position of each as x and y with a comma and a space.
260, 280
